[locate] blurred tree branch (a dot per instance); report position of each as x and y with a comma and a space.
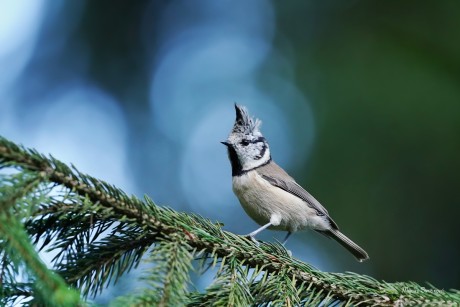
100, 233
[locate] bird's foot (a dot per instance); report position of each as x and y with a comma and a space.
253, 239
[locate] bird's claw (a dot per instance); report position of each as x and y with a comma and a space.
253, 239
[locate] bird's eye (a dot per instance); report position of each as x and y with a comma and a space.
244, 143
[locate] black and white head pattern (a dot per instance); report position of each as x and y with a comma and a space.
247, 148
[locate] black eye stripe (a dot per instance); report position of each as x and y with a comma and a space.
258, 140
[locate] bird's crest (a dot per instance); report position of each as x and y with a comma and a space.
244, 123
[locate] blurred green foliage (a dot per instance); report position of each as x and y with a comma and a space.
383, 78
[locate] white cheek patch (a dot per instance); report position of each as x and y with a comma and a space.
250, 161
259, 151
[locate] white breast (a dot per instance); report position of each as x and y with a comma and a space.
264, 202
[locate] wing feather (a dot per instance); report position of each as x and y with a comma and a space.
276, 176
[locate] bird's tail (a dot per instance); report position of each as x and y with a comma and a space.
351, 246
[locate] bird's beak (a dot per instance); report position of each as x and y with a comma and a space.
226, 143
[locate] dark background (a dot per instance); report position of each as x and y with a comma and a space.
360, 102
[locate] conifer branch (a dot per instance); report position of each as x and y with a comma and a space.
170, 277
17, 251
102, 233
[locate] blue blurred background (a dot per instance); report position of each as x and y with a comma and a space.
360, 101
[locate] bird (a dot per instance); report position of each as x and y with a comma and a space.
271, 197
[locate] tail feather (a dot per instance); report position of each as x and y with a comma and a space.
351, 246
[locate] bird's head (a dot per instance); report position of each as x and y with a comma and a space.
247, 148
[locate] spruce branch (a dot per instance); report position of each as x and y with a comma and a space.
21, 253
170, 277
16, 249
230, 288
13, 293
102, 233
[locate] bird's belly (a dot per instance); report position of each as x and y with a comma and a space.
262, 201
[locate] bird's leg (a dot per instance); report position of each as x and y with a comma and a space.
287, 237
255, 232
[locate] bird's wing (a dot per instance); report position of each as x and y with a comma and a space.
276, 176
